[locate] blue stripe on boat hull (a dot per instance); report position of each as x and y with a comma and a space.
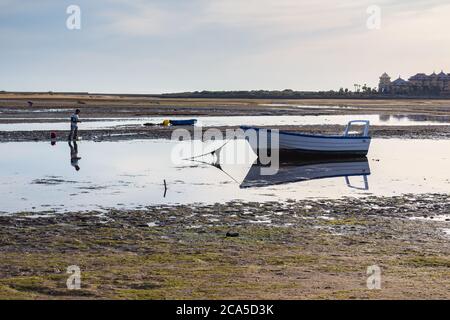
189, 122
287, 152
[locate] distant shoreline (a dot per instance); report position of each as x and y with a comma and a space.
232, 95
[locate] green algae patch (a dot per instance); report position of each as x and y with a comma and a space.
432, 262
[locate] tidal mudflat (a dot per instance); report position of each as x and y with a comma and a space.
141, 227
292, 250
212, 236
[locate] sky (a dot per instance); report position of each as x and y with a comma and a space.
160, 46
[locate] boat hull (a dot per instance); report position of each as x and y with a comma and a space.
292, 142
189, 122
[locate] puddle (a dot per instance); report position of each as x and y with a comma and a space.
446, 232
38, 177
289, 105
47, 124
438, 218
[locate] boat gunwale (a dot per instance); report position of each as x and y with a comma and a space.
309, 135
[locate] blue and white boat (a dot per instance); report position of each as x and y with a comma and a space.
187, 122
343, 145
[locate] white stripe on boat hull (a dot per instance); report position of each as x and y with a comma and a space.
318, 144
290, 142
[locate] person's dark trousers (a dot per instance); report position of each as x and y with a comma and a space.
73, 133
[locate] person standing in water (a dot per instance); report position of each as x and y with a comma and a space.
74, 120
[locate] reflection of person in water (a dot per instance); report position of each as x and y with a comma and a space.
74, 155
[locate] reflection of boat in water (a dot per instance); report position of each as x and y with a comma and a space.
343, 145
303, 170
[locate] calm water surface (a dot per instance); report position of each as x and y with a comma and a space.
108, 123
35, 176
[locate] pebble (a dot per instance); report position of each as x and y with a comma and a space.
232, 234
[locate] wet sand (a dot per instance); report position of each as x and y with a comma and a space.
57, 106
294, 250
160, 132
126, 106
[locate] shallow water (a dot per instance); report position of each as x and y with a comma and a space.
108, 123
35, 176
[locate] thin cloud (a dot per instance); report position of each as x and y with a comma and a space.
172, 45
266, 16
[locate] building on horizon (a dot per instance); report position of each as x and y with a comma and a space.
419, 84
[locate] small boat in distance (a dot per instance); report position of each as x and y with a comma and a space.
316, 145
166, 123
188, 122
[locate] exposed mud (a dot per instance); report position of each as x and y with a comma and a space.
239, 250
160, 132
52, 107
295, 250
126, 106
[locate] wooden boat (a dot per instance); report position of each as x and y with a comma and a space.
188, 122
343, 145
300, 170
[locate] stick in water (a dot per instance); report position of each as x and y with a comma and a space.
165, 188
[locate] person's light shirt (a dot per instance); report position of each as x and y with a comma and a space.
74, 120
